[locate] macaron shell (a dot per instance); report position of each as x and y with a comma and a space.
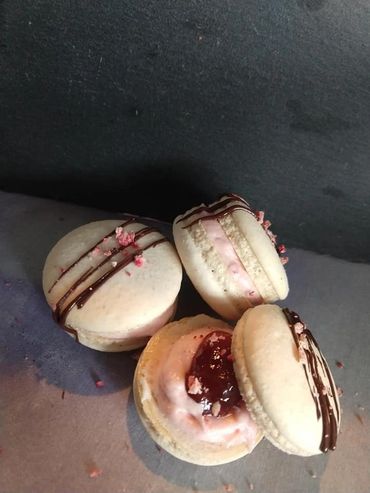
206, 271
273, 382
120, 312
169, 437
268, 272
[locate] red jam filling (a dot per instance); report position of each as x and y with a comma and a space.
211, 378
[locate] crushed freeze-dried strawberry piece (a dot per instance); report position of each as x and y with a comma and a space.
124, 238
139, 260
95, 472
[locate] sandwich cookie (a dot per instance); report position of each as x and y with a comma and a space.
207, 394
112, 284
231, 256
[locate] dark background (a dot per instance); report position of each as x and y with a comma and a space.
153, 106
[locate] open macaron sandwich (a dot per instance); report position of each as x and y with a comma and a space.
207, 394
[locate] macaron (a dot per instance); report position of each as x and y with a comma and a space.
171, 395
285, 381
208, 394
112, 284
231, 256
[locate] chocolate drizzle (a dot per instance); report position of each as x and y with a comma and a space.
214, 212
61, 312
85, 254
227, 204
317, 373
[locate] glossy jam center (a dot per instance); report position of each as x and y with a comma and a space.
211, 378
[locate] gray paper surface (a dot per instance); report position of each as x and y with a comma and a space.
57, 429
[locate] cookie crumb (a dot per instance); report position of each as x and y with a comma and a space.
216, 408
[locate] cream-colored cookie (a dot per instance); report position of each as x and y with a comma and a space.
231, 256
169, 413
285, 381
112, 284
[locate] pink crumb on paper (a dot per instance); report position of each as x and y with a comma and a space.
107, 253
96, 251
95, 472
99, 384
124, 238
139, 260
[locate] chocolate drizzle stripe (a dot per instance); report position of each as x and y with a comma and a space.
85, 295
212, 210
91, 270
321, 394
125, 223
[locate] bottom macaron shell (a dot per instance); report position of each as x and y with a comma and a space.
165, 433
273, 382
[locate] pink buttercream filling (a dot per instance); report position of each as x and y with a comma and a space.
186, 414
229, 257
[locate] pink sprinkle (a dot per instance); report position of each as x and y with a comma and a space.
260, 216
284, 260
96, 251
99, 384
124, 238
282, 248
127, 273
95, 472
139, 260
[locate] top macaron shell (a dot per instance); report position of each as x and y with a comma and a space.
133, 298
209, 273
273, 382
